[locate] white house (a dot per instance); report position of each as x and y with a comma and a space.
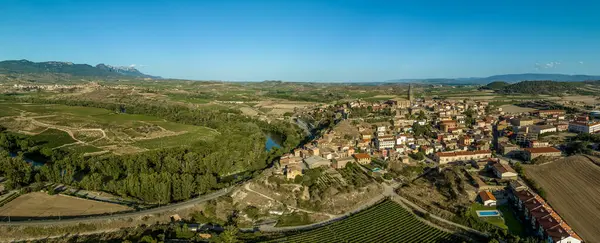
401, 139
504, 171
584, 127
487, 198
400, 148
543, 129
386, 142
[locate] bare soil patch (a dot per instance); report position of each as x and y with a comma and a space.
39, 204
515, 109
88, 135
21, 125
572, 187
248, 111
280, 107
590, 100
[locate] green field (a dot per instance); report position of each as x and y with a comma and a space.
507, 221
385, 222
83, 149
99, 129
52, 138
194, 134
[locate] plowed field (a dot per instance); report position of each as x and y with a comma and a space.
572, 187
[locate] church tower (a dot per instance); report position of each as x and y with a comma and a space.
410, 98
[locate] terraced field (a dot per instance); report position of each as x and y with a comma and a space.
385, 222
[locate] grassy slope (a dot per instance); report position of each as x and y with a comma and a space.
87, 117
53, 138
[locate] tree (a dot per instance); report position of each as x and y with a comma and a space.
252, 212
298, 179
469, 117
421, 115
148, 239
229, 235
417, 156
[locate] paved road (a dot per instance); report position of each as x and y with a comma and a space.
94, 219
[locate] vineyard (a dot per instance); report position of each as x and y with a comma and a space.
385, 222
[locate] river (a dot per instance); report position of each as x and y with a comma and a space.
273, 141
34, 163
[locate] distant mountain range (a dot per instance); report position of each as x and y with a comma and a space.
510, 78
69, 68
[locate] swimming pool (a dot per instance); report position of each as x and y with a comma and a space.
488, 213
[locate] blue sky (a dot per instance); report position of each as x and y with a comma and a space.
302, 40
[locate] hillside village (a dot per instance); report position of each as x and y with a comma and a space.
485, 142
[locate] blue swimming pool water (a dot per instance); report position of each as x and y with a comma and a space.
488, 213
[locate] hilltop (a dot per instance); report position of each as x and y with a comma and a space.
547, 87
509, 78
12, 67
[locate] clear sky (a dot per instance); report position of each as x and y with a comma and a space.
302, 40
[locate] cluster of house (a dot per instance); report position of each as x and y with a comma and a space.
449, 129
448, 134
526, 131
310, 157
501, 172
547, 223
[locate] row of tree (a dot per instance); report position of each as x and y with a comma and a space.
158, 176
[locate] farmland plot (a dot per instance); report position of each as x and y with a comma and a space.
385, 222
91, 130
39, 204
572, 186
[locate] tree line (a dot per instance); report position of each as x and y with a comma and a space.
157, 176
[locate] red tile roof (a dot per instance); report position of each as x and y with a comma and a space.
462, 153
503, 168
542, 150
551, 111
361, 156
486, 195
525, 195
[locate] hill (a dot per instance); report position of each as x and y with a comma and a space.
542, 87
12, 67
509, 78
512, 78
496, 85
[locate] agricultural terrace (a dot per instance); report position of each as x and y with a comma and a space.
572, 186
40, 204
94, 130
384, 222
